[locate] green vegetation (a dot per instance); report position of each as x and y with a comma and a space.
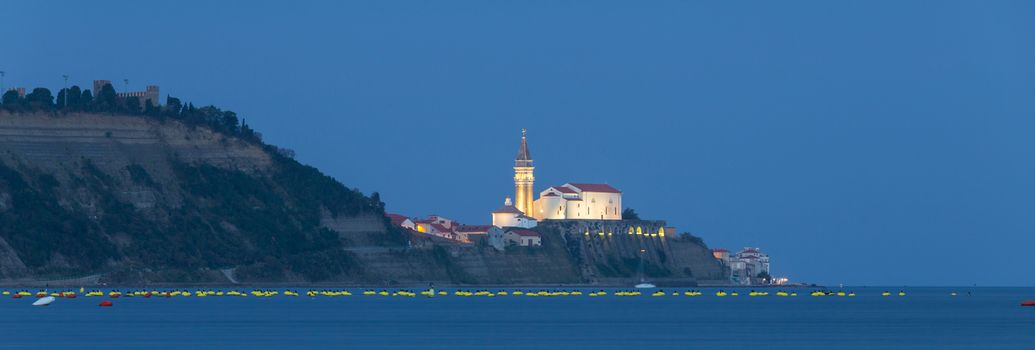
630, 214
40, 229
106, 100
267, 224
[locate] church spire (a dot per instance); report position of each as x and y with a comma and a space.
524, 157
523, 178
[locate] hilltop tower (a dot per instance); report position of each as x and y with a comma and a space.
523, 177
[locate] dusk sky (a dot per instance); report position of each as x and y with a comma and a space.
864, 143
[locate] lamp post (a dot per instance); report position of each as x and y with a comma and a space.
125, 85
66, 91
2, 82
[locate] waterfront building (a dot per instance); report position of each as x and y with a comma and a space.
746, 266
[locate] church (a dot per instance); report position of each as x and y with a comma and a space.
570, 201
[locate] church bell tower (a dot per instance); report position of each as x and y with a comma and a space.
523, 177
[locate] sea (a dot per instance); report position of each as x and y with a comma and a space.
925, 318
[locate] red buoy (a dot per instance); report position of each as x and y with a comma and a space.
70, 296
105, 303
1028, 303
17, 296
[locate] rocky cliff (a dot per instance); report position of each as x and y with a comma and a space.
141, 199
88, 198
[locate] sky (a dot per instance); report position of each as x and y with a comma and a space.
864, 143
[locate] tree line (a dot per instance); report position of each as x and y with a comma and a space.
75, 99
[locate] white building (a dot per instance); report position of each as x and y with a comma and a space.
573, 201
746, 265
522, 237
510, 216
496, 238
401, 221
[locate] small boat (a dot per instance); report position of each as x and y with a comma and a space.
1028, 303
44, 301
643, 282
105, 303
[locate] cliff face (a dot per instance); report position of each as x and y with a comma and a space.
568, 256
138, 199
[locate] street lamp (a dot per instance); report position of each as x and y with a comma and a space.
2, 82
66, 90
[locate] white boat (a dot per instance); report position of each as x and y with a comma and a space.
643, 282
44, 301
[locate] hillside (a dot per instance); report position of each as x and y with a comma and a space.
140, 199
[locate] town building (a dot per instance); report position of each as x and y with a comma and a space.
401, 221
510, 216
522, 237
496, 238
573, 201
748, 266
570, 201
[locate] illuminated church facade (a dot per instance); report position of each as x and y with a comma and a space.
570, 201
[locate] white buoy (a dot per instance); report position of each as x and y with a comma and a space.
44, 301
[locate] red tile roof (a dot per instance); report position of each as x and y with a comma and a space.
507, 209
439, 228
396, 219
563, 189
474, 228
596, 188
525, 233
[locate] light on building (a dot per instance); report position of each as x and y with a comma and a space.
639, 230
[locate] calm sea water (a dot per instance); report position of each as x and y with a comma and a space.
927, 318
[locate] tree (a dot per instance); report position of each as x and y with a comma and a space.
11, 100
630, 214
229, 122
74, 95
86, 100
149, 109
107, 99
172, 106
133, 104
61, 99
40, 98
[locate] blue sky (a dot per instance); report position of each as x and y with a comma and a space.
876, 143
